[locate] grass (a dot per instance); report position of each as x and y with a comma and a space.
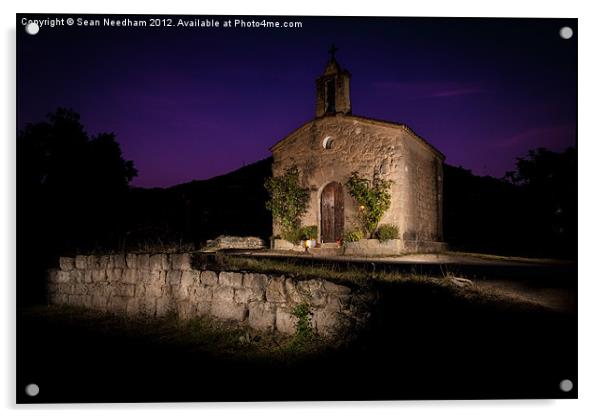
356, 276
507, 258
224, 340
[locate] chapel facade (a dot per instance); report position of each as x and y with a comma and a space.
335, 143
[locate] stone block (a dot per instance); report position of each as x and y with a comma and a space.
229, 310
114, 275
92, 262
52, 275
174, 277
338, 303
189, 278
203, 308
284, 245
255, 281
276, 290
106, 289
103, 262
158, 262
314, 289
129, 276
131, 261
65, 288
180, 261
118, 304
294, 293
310, 286
100, 302
232, 279
243, 295
87, 301
209, 278
80, 276
185, 310
134, 306
62, 276
59, 299
128, 290
154, 289
202, 294
157, 277
140, 291
97, 276
372, 243
52, 287
144, 275
336, 289
147, 306
117, 261
223, 294
326, 322
235, 242
81, 262
66, 263
285, 321
262, 316
79, 289
164, 305
180, 292
143, 262
75, 300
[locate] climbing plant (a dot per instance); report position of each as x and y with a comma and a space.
288, 202
373, 198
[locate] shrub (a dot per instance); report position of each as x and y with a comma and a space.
353, 236
386, 232
288, 202
303, 314
308, 232
373, 198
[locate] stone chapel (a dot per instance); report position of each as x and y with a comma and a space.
332, 145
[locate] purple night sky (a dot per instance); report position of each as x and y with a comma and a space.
192, 103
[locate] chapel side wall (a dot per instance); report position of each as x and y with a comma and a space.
425, 178
366, 148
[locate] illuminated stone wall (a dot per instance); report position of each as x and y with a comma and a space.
155, 285
373, 148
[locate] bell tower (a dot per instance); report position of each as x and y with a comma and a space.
332, 89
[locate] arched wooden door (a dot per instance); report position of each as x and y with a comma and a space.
332, 211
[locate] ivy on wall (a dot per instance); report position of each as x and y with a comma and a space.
373, 198
288, 202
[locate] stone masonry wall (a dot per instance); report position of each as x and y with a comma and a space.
155, 285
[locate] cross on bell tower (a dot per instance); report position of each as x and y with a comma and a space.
332, 50
333, 88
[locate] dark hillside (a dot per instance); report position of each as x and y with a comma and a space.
232, 204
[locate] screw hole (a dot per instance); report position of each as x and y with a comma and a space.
566, 385
32, 389
32, 28
566, 32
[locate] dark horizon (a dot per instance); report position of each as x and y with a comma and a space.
191, 104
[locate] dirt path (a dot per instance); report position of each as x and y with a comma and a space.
557, 298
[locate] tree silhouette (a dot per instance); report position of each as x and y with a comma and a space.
70, 189
548, 181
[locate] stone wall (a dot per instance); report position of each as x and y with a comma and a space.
155, 285
229, 242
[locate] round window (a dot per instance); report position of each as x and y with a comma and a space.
327, 142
